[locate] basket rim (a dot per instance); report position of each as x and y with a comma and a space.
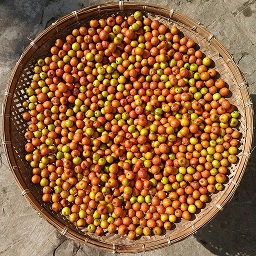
76, 16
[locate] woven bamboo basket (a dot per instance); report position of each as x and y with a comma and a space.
14, 126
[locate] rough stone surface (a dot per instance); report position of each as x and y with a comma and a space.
231, 232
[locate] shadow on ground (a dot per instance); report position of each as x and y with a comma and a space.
232, 231
22, 21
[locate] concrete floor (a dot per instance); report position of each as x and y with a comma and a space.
232, 232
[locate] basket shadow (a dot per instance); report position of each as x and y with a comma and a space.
232, 231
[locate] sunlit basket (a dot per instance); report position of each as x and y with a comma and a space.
14, 127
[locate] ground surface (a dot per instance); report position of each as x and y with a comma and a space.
232, 232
